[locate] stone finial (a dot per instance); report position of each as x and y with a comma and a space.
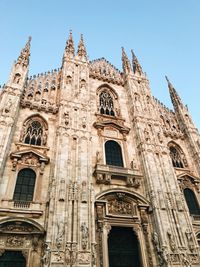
69, 49
137, 69
82, 54
125, 62
176, 100
23, 58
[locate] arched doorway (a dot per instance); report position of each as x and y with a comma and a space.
12, 258
123, 248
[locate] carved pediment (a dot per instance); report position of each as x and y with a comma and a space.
187, 180
30, 153
19, 227
112, 124
29, 158
101, 69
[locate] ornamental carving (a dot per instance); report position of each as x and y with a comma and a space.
29, 157
120, 204
17, 227
102, 70
15, 241
84, 257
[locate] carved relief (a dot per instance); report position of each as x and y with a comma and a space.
84, 257
121, 207
15, 241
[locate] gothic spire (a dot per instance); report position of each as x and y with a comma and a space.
23, 58
125, 62
82, 54
176, 100
137, 69
69, 49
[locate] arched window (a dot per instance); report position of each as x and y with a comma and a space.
24, 188
106, 104
191, 201
113, 154
34, 132
176, 158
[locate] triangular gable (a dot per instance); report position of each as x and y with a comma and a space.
103, 70
19, 154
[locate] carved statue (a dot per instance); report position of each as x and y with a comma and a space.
60, 232
8, 106
84, 231
155, 241
46, 257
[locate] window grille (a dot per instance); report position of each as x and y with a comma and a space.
24, 188
34, 133
106, 104
113, 154
191, 201
176, 158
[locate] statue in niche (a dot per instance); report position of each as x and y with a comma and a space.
160, 139
67, 253
171, 240
85, 233
84, 122
60, 232
8, 106
68, 80
155, 241
82, 83
66, 117
137, 102
98, 157
146, 135
17, 78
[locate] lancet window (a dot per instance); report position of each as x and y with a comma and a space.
176, 158
113, 153
34, 132
106, 103
192, 202
24, 188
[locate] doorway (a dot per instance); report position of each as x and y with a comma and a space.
123, 248
12, 259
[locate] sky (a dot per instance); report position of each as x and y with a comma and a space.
164, 34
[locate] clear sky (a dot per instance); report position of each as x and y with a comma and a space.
165, 35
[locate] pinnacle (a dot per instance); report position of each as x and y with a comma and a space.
81, 48
176, 100
125, 62
69, 49
23, 58
136, 65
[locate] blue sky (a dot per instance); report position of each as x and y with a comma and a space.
165, 36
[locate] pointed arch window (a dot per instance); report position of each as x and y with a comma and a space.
34, 132
176, 158
113, 154
106, 103
24, 188
191, 201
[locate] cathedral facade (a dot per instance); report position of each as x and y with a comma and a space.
94, 171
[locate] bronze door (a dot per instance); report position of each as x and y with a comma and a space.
123, 248
12, 259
